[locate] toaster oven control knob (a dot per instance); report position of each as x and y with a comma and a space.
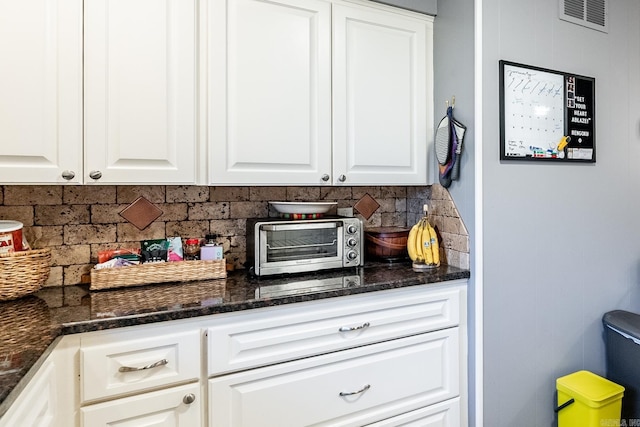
352, 255
351, 229
352, 242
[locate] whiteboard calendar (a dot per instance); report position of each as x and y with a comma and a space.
546, 114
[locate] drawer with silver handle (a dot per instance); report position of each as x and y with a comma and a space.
113, 363
278, 334
347, 388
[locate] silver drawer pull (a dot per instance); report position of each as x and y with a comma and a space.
351, 393
153, 365
354, 328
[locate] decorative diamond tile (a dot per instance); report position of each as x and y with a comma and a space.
141, 213
366, 206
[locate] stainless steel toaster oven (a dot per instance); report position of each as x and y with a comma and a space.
279, 246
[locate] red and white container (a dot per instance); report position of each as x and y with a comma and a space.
10, 236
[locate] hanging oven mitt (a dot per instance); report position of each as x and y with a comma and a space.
459, 130
444, 170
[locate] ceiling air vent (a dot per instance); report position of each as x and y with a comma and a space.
588, 13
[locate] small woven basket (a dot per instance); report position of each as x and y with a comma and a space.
23, 273
162, 272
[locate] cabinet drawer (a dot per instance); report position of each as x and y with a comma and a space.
443, 414
115, 363
278, 334
177, 406
380, 381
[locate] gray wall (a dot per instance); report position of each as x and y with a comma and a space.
561, 241
453, 76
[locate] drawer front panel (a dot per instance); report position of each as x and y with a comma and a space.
270, 336
348, 388
175, 407
127, 362
443, 414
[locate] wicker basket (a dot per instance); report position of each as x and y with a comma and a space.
24, 272
163, 272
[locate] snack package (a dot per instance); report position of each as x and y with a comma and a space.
154, 250
132, 254
114, 263
175, 252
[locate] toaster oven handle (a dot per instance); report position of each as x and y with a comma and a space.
298, 226
313, 245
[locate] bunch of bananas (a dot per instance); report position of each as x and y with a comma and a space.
422, 244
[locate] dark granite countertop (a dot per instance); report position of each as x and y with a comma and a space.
29, 325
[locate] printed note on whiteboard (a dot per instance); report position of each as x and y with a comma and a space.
534, 111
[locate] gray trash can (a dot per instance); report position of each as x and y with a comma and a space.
622, 342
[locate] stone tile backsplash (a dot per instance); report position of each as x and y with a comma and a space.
78, 221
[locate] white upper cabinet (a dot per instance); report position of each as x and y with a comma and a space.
382, 96
246, 92
41, 91
141, 88
287, 107
270, 92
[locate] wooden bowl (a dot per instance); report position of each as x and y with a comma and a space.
387, 243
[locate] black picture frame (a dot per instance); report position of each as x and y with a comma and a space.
546, 115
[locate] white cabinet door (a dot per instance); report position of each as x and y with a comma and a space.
38, 403
41, 91
140, 91
382, 112
173, 407
270, 92
49, 397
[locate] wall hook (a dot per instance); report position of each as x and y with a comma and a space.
453, 102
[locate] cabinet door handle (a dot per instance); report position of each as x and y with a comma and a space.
351, 393
143, 368
325, 177
95, 174
188, 399
342, 178
68, 175
354, 328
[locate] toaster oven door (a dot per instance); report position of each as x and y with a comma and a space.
299, 247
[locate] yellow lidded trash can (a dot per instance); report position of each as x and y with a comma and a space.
588, 400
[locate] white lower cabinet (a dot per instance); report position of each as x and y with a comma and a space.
141, 376
349, 388
387, 358
176, 406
